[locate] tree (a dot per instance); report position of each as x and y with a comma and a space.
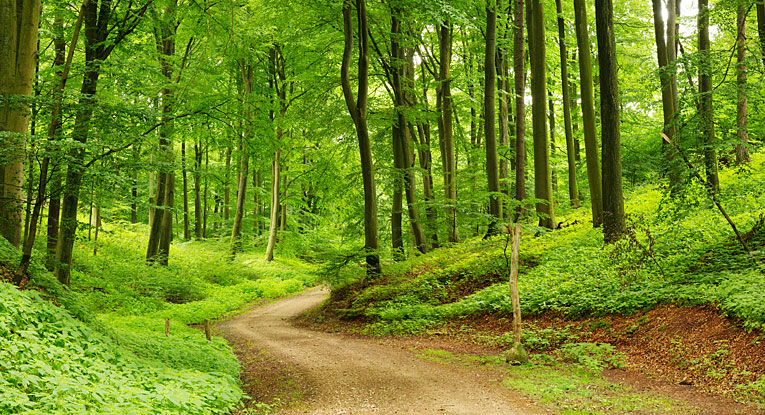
613, 199
706, 110
742, 149
246, 71
542, 171
18, 50
588, 113
358, 111
666, 76
446, 130
490, 77
761, 27
573, 192
103, 32
519, 77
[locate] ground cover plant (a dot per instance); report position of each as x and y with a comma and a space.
688, 257
103, 349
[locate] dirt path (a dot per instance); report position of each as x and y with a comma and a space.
337, 374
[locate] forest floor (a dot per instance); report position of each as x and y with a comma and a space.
296, 365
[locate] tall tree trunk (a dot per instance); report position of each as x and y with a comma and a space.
761, 27
256, 200
542, 172
426, 161
519, 74
358, 111
490, 77
134, 186
227, 183
207, 166
665, 76
573, 191
551, 115
446, 131
274, 217
396, 218
18, 52
591, 147
742, 148
403, 101
244, 157
705, 97
503, 92
613, 199
158, 247
198, 213
186, 233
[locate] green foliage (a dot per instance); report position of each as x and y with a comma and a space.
53, 363
674, 255
593, 356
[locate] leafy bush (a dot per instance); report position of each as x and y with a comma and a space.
593, 356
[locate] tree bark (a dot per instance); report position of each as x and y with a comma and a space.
186, 233
246, 72
448, 157
573, 191
742, 148
761, 27
403, 102
274, 217
705, 97
588, 113
358, 111
490, 77
519, 74
665, 77
18, 51
503, 92
198, 213
397, 210
613, 199
542, 171
227, 184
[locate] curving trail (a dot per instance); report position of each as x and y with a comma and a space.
338, 374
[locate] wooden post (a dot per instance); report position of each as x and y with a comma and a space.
208, 334
514, 296
167, 327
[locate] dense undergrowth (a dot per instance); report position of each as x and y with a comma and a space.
100, 348
687, 255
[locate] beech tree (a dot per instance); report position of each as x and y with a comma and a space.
613, 198
18, 49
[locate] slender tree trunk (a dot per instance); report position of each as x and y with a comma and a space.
166, 231
403, 101
490, 77
666, 74
426, 161
397, 238
613, 199
256, 201
227, 184
761, 27
275, 181
186, 233
446, 131
551, 115
18, 51
207, 166
742, 148
573, 191
244, 157
542, 171
519, 74
591, 147
358, 111
705, 97
198, 214
503, 91
283, 200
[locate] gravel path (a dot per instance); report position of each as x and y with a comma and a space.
339, 374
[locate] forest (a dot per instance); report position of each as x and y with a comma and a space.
189, 186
